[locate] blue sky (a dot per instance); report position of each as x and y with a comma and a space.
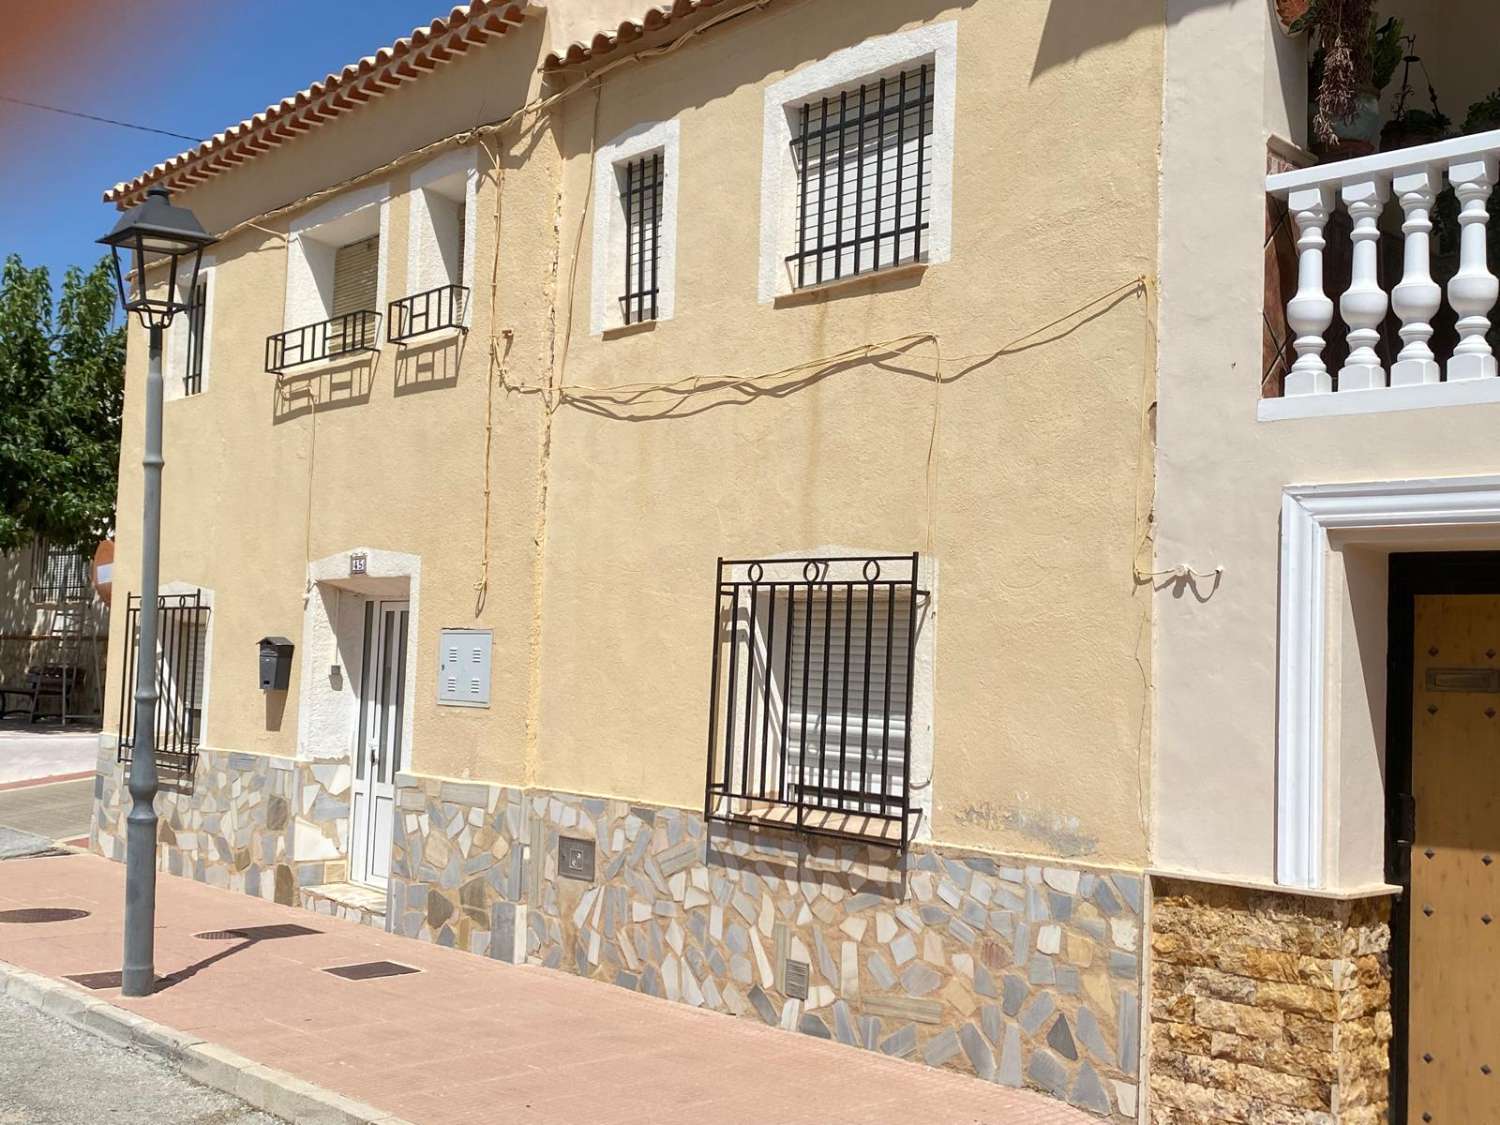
187, 66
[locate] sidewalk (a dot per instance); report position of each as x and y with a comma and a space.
466, 1039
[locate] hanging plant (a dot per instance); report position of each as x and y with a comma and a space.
1355, 59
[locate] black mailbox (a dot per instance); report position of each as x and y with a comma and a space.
275, 663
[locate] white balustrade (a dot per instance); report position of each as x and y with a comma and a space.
1415, 176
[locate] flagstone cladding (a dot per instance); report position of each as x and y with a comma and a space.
1017, 973
1268, 1007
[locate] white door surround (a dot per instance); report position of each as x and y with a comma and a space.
1447, 508
379, 747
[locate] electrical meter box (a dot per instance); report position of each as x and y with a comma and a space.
464, 667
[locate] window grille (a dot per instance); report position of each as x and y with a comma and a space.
810, 710
181, 662
864, 177
640, 198
192, 374
59, 574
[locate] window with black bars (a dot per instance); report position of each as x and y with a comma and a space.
810, 711
640, 199
181, 664
192, 373
864, 177
59, 574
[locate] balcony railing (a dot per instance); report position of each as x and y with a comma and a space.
357, 331
1426, 329
432, 311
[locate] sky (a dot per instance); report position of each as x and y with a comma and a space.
186, 66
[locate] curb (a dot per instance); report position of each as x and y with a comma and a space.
274, 1091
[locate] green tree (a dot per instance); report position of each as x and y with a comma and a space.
62, 383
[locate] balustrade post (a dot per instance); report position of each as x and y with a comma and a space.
1363, 304
1473, 290
1417, 298
1309, 312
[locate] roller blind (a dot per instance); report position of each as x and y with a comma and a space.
355, 271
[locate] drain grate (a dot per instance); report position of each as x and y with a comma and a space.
31, 914
110, 979
370, 970
221, 935
279, 930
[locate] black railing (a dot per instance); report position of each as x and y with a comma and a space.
863, 177
431, 311
357, 331
59, 575
810, 704
640, 196
181, 658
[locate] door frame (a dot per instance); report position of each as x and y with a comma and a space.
377, 708
1412, 574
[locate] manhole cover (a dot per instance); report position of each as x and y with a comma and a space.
28, 914
221, 935
110, 979
369, 970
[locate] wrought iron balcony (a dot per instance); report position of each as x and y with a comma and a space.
432, 311
810, 705
357, 331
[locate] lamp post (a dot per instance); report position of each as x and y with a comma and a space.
152, 235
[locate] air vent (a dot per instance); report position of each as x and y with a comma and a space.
795, 979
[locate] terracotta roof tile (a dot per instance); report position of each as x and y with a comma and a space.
605, 41
425, 49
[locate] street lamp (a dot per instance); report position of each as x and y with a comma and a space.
153, 236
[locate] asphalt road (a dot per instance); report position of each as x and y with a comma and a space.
52, 1074
58, 810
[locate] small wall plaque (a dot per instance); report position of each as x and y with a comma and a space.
575, 858
357, 562
1463, 679
795, 977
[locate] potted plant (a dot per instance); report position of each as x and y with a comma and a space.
1355, 59
1409, 126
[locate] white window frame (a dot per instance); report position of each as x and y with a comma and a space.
423, 258
937, 43
315, 237
611, 223
177, 345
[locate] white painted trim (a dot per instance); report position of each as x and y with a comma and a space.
1308, 514
778, 174
1385, 163
318, 632
610, 220
1378, 400
301, 286
465, 162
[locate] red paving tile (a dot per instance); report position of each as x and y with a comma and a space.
468, 1039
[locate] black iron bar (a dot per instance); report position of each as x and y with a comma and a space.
748, 748
885, 702
807, 632
859, 176
823, 707
629, 242
900, 166
838, 213
655, 227
822, 185
734, 652
879, 173
640, 250
864, 713
786, 687
844, 696
804, 174
911, 676
916, 252
765, 703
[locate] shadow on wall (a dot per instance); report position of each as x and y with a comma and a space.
430, 366
1075, 27
327, 388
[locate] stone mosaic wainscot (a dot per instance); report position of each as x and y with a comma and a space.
1268, 1007
1020, 974
261, 825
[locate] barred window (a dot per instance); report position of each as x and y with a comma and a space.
192, 374
181, 673
640, 200
59, 574
811, 707
864, 177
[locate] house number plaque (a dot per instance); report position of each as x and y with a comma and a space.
357, 562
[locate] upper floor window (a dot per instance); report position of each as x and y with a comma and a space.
336, 270
864, 177
857, 165
440, 252
635, 229
187, 365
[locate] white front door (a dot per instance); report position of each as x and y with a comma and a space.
379, 750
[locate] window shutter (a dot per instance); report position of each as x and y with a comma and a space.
869, 712
458, 268
355, 271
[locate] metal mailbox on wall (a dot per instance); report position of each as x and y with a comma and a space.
464, 667
275, 663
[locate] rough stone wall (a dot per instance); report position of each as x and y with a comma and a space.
1017, 974
1268, 1007
261, 825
